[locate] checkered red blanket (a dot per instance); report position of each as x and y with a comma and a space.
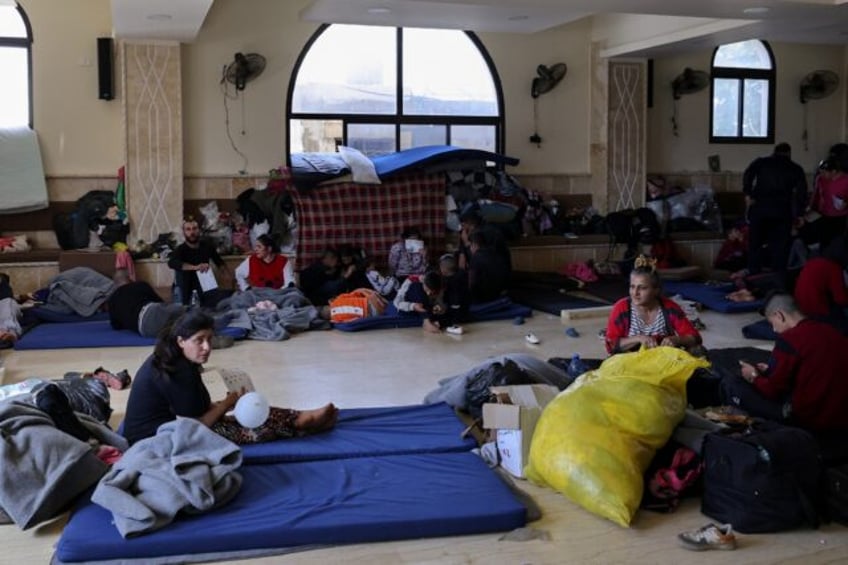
371, 216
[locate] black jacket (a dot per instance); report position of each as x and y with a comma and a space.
778, 187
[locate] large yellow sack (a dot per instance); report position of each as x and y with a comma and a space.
595, 440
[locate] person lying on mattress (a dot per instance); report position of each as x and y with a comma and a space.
169, 385
10, 314
265, 268
134, 305
646, 318
423, 296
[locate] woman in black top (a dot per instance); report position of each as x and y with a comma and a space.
169, 384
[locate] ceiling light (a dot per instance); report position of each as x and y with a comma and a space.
160, 17
377, 11
517, 18
755, 10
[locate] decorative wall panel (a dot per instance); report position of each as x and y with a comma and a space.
626, 135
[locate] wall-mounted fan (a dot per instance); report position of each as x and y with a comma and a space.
815, 86
244, 69
689, 81
547, 79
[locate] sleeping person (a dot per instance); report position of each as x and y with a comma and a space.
10, 314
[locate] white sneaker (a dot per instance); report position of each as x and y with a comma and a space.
531, 338
455, 330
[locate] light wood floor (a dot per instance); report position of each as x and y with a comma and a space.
392, 367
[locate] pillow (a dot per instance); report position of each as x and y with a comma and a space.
360, 166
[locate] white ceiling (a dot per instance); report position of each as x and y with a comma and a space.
800, 21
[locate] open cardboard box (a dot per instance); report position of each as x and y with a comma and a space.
515, 419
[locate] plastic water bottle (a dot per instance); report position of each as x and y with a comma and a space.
195, 299
576, 367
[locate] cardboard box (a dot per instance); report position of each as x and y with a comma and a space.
516, 421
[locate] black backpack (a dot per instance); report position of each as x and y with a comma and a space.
632, 227
764, 479
496, 374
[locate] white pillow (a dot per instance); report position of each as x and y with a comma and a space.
361, 167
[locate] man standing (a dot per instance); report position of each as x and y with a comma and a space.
192, 257
804, 382
775, 190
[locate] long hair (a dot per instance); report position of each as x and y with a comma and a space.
167, 351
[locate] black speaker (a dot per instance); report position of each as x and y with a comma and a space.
650, 80
105, 74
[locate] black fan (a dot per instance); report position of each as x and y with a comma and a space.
817, 85
689, 82
244, 69
548, 78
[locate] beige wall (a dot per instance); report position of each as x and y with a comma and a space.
79, 134
689, 151
271, 27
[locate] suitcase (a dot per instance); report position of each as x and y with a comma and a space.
764, 479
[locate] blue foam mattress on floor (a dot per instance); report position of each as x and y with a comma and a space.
500, 309
79, 334
339, 501
363, 432
417, 157
47, 315
760, 329
711, 296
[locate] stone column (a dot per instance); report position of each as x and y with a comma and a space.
598, 136
152, 85
627, 135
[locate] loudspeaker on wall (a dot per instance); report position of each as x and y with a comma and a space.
105, 78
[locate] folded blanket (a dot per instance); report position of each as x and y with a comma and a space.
184, 467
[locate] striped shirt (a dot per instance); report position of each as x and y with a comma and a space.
639, 327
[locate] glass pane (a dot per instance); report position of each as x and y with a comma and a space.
420, 135
726, 107
474, 137
755, 108
372, 139
751, 54
11, 22
315, 136
349, 70
14, 96
445, 74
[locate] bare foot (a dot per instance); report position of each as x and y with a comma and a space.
318, 420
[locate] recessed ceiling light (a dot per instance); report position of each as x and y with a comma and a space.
376, 11
160, 17
517, 18
755, 10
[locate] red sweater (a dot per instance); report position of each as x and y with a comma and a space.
618, 326
820, 289
267, 275
807, 366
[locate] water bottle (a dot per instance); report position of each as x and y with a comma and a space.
195, 299
576, 367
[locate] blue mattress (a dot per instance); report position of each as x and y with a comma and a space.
91, 334
288, 505
500, 309
47, 315
363, 432
712, 297
429, 155
760, 329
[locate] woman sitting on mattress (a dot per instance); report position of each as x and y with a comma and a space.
646, 318
169, 385
265, 268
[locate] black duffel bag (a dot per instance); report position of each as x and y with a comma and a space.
764, 479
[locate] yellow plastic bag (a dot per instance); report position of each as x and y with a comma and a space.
595, 440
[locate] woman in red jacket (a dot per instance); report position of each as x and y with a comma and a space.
265, 268
646, 318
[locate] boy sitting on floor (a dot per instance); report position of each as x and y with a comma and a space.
423, 296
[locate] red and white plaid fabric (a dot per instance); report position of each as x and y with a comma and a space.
369, 215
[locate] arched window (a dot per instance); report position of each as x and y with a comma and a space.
15, 67
743, 80
382, 89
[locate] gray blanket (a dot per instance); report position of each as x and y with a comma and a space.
452, 389
185, 467
294, 313
78, 291
43, 468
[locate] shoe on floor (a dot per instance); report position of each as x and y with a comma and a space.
455, 330
222, 341
572, 332
711, 536
531, 338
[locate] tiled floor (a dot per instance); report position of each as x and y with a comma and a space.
391, 367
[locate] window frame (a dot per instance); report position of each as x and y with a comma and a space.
399, 119
741, 74
25, 42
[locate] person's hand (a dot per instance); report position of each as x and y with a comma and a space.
203, 267
647, 341
418, 307
762, 367
438, 309
671, 341
349, 271
232, 398
749, 372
